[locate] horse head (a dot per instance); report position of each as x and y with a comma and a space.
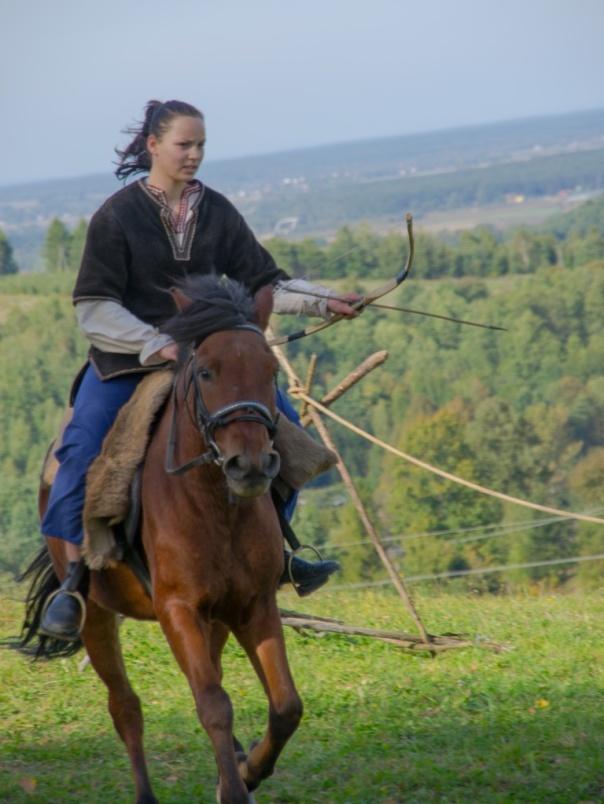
228, 371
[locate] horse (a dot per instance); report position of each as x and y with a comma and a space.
211, 538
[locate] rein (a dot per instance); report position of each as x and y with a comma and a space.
207, 423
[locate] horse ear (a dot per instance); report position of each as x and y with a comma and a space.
263, 306
181, 300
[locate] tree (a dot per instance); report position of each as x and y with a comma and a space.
56, 246
352, 253
527, 251
7, 261
415, 501
586, 481
476, 251
76, 244
583, 249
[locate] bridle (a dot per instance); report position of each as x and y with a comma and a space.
245, 410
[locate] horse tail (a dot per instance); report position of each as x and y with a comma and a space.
43, 582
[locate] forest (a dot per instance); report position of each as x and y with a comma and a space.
521, 411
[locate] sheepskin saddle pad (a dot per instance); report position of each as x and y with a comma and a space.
111, 474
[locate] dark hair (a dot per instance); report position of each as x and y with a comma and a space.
158, 116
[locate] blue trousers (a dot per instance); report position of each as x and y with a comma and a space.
96, 406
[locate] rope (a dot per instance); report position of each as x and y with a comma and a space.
524, 524
298, 392
484, 571
496, 528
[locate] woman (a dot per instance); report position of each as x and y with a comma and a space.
143, 240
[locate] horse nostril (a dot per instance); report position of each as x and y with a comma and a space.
237, 467
241, 468
272, 464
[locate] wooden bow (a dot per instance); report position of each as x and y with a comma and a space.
366, 301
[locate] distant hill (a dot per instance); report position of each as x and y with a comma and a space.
316, 190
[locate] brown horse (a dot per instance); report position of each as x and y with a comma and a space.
211, 538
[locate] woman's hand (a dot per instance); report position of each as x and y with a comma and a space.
169, 352
342, 305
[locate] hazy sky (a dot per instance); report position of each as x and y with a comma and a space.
280, 74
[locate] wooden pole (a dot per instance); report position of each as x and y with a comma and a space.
322, 625
310, 376
318, 422
368, 365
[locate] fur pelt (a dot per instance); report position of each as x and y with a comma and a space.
111, 473
302, 458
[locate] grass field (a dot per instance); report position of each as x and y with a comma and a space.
380, 725
531, 212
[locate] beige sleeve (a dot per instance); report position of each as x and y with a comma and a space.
299, 297
112, 328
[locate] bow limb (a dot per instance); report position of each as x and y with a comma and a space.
391, 285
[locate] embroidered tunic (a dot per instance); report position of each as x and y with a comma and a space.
133, 256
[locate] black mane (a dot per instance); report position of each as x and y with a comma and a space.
217, 303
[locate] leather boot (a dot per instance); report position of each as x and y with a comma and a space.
65, 610
307, 576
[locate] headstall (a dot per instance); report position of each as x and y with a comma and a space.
244, 410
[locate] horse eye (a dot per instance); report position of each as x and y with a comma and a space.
204, 374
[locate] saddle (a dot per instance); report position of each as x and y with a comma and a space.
112, 506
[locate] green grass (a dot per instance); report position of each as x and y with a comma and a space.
380, 725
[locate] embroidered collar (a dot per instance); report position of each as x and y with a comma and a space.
186, 203
179, 227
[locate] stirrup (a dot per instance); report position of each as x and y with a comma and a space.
82, 603
300, 589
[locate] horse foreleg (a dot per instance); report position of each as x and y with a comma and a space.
263, 641
218, 637
101, 640
197, 650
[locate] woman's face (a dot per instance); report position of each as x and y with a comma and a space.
177, 154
